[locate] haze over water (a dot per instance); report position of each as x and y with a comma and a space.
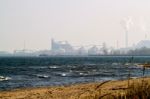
81, 22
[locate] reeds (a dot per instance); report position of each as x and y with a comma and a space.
138, 90
135, 90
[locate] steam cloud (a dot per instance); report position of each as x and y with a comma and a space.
126, 23
143, 25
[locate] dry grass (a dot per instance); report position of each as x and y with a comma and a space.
138, 89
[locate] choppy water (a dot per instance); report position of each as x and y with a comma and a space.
17, 72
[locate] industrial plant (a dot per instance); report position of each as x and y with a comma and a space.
64, 48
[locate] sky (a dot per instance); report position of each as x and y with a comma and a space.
80, 22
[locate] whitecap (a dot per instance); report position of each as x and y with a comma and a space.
81, 73
53, 67
115, 64
63, 74
2, 78
42, 76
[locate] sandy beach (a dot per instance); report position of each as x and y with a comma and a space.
95, 90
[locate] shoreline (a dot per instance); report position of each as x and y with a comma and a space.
74, 91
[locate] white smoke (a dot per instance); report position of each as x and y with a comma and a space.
143, 25
126, 23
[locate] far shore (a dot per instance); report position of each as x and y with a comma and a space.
95, 90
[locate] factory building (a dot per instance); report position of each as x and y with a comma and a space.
61, 47
93, 50
82, 51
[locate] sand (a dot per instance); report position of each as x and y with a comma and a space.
95, 90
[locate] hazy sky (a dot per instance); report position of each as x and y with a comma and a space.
80, 22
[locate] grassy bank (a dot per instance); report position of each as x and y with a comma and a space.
126, 89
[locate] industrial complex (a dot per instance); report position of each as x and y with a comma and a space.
65, 48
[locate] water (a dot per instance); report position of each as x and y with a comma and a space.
19, 72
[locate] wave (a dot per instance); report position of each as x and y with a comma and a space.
2, 78
42, 76
84, 74
54, 67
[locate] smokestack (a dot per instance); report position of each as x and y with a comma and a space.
24, 46
143, 27
126, 24
52, 44
126, 39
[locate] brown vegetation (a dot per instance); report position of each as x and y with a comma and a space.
137, 89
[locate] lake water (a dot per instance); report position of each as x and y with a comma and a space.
18, 72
